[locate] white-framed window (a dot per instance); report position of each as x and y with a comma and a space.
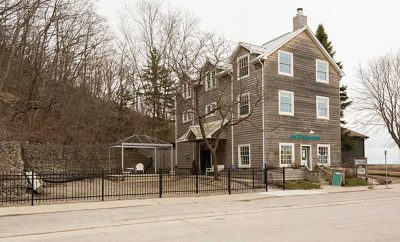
286, 154
322, 106
285, 65
210, 80
186, 90
322, 71
211, 108
286, 103
244, 104
243, 66
323, 154
186, 116
244, 155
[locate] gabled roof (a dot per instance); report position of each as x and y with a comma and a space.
273, 45
353, 133
254, 49
194, 132
277, 43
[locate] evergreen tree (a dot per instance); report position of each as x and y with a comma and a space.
157, 88
347, 142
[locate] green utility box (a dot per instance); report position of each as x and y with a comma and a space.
337, 178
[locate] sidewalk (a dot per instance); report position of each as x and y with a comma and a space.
55, 208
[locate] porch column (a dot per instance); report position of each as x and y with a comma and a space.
155, 160
172, 157
122, 156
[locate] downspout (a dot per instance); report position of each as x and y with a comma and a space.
263, 111
232, 146
176, 135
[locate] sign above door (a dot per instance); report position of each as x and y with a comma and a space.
304, 137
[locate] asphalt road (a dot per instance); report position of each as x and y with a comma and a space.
354, 216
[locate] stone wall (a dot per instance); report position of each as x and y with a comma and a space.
48, 157
80, 158
11, 157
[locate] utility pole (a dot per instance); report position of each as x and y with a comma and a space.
386, 176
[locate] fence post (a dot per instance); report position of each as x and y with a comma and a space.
197, 182
252, 173
266, 178
160, 185
229, 181
32, 189
284, 178
102, 185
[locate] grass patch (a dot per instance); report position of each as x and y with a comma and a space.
356, 182
301, 185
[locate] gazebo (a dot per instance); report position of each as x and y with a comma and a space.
137, 141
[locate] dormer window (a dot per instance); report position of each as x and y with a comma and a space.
243, 66
285, 66
322, 71
186, 91
210, 80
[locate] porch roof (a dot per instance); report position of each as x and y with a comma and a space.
210, 128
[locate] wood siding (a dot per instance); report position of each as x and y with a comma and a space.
278, 128
305, 88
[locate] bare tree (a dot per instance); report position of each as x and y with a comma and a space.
193, 55
379, 93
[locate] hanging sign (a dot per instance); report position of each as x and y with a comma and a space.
304, 137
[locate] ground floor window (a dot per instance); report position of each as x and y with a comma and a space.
286, 154
323, 155
244, 155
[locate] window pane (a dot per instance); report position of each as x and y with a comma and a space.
322, 71
244, 105
244, 66
285, 63
286, 155
323, 155
286, 102
245, 155
322, 104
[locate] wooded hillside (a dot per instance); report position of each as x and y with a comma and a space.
64, 78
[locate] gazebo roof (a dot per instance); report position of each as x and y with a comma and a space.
141, 141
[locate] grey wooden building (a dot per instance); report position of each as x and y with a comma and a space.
295, 123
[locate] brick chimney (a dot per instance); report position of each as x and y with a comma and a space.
300, 20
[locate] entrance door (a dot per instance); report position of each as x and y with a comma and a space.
205, 160
306, 156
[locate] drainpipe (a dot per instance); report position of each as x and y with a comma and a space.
176, 135
263, 111
232, 146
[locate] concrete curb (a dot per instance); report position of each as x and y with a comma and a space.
96, 205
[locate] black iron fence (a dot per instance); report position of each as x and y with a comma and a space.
31, 188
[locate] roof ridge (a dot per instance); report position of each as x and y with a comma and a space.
276, 38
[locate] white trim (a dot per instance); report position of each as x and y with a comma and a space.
291, 63
239, 98
293, 154
206, 81
316, 41
301, 159
189, 117
211, 104
279, 103
316, 107
327, 71
240, 159
186, 88
238, 67
329, 153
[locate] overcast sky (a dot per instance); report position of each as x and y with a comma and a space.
359, 31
